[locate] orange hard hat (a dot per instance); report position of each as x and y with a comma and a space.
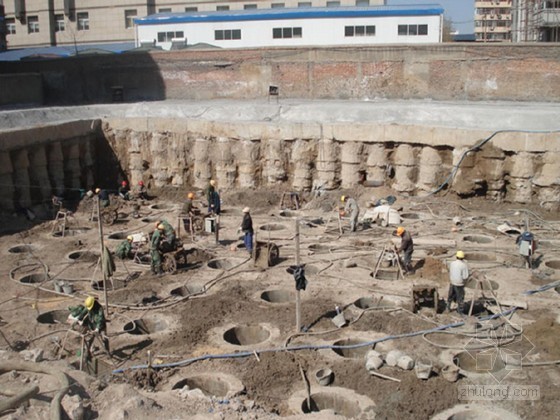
400, 230
190, 196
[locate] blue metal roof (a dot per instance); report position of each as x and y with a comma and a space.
297, 13
64, 51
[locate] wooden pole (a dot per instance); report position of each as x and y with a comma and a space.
298, 300
105, 285
217, 228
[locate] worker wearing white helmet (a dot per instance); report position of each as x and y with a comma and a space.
458, 275
213, 198
124, 250
247, 228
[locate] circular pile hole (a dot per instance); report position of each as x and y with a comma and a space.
246, 335
113, 285
210, 386
331, 401
352, 353
19, 249
478, 239
224, 263
277, 296
118, 235
385, 275
289, 213
53, 317
150, 219
34, 278
161, 206
368, 302
187, 290
479, 256
319, 247
411, 216
554, 264
83, 256
272, 227
145, 326
479, 362
309, 269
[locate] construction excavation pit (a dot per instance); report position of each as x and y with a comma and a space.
212, 385
246, 335
146, 326
20, 249
197, 326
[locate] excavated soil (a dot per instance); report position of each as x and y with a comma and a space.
186, 332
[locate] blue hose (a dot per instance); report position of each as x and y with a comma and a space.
309, 346
543, 288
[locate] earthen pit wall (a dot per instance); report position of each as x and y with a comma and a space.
513, 72
412, 159
35, 163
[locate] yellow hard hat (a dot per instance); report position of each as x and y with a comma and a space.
343, 198
129, 238
190, 196
212, 182
460, 255
89, 303
161, 227
400, 230
97, 190
158, 223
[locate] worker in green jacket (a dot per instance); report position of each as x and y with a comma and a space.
124, 250
169, 236
90, 315
155, 252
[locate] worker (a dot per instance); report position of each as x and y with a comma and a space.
458, 275
189, 211
142, 191
407, 247
350, 207
211, 196
124, 191
155, 252
526, 244
124, 250
90, 316
247, 228
103, 196
169, 236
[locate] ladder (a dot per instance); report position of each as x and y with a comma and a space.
60, 221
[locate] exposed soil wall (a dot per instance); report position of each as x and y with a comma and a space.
444, 71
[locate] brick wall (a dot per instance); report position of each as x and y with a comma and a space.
443, 72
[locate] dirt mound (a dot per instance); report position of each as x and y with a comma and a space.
544, 333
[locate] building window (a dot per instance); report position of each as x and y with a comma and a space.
413, 30
165, 10
368, 30
168, 36
362, 3
10, 26
304, 4
222, 8
227, 34
249, 6
333, 4
191, 9
33, 24
59, 23
277, 5
83, 21
279, 33
129, 16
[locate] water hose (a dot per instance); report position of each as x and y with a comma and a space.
308, 346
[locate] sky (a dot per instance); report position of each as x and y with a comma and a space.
460, 12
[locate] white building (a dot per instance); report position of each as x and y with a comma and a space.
319, 26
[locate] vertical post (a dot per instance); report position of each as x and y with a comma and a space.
100, 225
298, 300
217, 229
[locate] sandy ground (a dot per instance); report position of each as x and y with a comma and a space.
187, 334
